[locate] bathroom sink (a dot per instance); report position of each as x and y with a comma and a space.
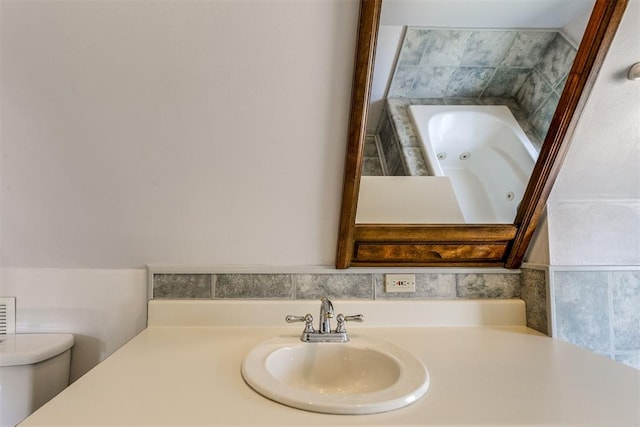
362, 376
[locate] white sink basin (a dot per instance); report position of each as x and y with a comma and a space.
362, 376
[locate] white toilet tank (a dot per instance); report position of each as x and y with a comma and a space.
33, 369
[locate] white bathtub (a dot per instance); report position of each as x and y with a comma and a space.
484, 152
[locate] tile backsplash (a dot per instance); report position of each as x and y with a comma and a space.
534, 292
595, 308
333, 285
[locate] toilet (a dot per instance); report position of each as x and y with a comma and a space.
33, 369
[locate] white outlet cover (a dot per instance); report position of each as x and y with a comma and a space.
400, 282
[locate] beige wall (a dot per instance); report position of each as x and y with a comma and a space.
204, 132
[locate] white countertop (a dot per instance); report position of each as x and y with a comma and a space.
489, 375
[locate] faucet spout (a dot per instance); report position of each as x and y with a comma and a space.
326, 312
324, 333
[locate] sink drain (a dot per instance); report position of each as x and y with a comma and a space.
441, 156
465, 156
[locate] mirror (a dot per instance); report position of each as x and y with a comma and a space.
441, 241
462, 95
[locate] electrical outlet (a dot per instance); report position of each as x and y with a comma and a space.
400, 282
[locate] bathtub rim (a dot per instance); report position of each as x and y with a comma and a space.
501, 112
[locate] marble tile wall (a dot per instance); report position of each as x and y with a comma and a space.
373, 162
534, 293
332, 285
598, 309
529, 66
392, 149
540, 92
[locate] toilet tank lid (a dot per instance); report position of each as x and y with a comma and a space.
25, 349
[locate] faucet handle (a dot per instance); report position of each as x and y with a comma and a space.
341, 319
307, 319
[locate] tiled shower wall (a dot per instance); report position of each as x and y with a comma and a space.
529, 66
333, 285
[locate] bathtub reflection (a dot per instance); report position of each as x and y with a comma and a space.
483, 151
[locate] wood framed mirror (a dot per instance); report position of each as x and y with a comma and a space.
463, 245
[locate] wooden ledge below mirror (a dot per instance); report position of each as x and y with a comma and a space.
431, 245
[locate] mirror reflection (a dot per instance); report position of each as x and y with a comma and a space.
462, 97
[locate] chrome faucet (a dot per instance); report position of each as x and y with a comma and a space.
324, 332
326, 313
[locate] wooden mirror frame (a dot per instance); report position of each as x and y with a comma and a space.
463, 245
